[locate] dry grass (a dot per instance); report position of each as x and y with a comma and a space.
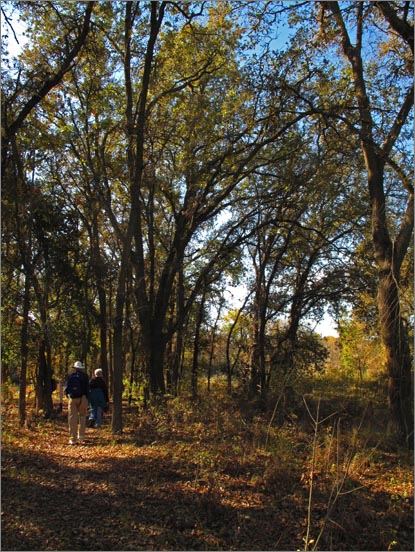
197, 476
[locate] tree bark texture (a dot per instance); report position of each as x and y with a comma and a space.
389, 253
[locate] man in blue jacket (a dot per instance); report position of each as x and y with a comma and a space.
77, 391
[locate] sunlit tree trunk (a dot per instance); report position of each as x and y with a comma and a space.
389, 253
389, 257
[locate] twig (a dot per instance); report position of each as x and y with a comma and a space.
284, 383
336, 491
313, 459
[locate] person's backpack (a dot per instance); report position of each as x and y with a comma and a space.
74, 386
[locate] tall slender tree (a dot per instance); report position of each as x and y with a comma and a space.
19, 101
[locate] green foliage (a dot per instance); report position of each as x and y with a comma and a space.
362, 353
7, 394
250, 172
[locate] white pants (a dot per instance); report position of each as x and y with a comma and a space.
77, 410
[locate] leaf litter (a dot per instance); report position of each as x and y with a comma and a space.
178, 491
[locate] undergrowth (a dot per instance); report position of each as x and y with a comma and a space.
214, 473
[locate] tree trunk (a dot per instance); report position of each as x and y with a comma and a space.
176, 340
154, 344
99, 270
44, 376
132, 350
118, 333
152, 325
121, 307
258, 369
103, 334
398, 358
175, 355
212, 349
254, 383
110, 345
136, 134
24, 352
388, 254
262, 360
195, 362
44, 381
133, 378
116, 425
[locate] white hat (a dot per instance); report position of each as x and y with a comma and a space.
78, 365
98, 373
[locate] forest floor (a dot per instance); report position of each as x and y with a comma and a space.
207, 475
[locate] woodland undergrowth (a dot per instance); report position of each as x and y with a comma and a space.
210, 474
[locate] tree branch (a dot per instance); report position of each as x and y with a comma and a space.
54, 79
404, 29
10, 25
399, 122
404, 236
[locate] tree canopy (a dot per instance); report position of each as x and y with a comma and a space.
155, 153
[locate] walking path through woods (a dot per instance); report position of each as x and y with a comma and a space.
196, 479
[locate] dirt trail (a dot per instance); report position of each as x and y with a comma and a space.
113, 495
185, 488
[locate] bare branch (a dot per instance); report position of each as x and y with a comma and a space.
399, 122
10, 25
